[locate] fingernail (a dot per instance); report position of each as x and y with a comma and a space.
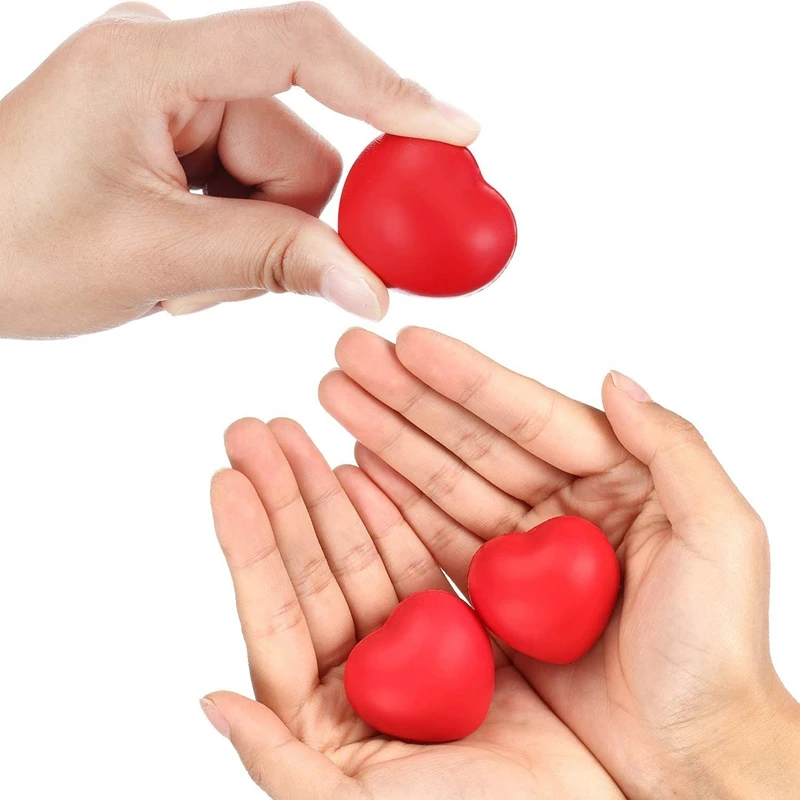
215, 717
181, 309
458, 117
630, 387
351, 292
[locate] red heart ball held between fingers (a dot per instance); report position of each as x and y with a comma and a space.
549, 592
420, 215
427, 675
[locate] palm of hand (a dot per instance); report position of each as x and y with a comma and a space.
514, 754
467, 450
317, 566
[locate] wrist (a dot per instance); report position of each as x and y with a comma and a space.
754, 755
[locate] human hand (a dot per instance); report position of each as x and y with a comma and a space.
679, 697
100, 146
319, 561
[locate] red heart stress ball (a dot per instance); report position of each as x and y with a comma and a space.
549, 592
420, 215
428, 674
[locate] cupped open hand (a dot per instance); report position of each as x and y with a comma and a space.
679, 697
318, 561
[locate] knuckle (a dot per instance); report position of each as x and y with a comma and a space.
419, 569
324, 498
408, 89
508, 521
412, 399
472, 389
286, 616
256, 557
138, 8
389, 438
677, 433
443, 481
117, 49
528, 427
680, 429
303, 18
391, 89
356, 560
337, 654
475, 443
92, 45
440, 540
330, 164
388, 528
410, 502
103, 37
753, 525
397, 88
314, 578
272, 269
311, 14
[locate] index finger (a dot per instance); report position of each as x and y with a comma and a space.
265, 51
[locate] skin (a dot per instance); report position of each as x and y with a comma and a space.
679, 697
102, 228
312, 575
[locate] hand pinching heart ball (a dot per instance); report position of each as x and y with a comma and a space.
548, 592
427, 675
420, 215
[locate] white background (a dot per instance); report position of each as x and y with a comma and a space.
650, 152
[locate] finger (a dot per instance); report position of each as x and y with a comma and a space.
451, 484
282, 661
254, 451
263, 52
701, 501
265, 146
372, 363
408, 562
200, 302
202, 244
280, 764
451, 544
571, 436
260, 150
351, 553
134, 10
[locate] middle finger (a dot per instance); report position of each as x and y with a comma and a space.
444, 478
254, 451
351, 553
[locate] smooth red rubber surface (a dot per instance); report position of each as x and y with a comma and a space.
427, 675
420, 215
548, 592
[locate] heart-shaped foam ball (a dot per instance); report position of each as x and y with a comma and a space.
420, 215
548, 592
427, 675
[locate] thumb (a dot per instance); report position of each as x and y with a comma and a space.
281, 765
209, 245
700, 500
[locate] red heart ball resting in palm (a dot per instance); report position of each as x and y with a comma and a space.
549, 592
420, 215
427, 675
